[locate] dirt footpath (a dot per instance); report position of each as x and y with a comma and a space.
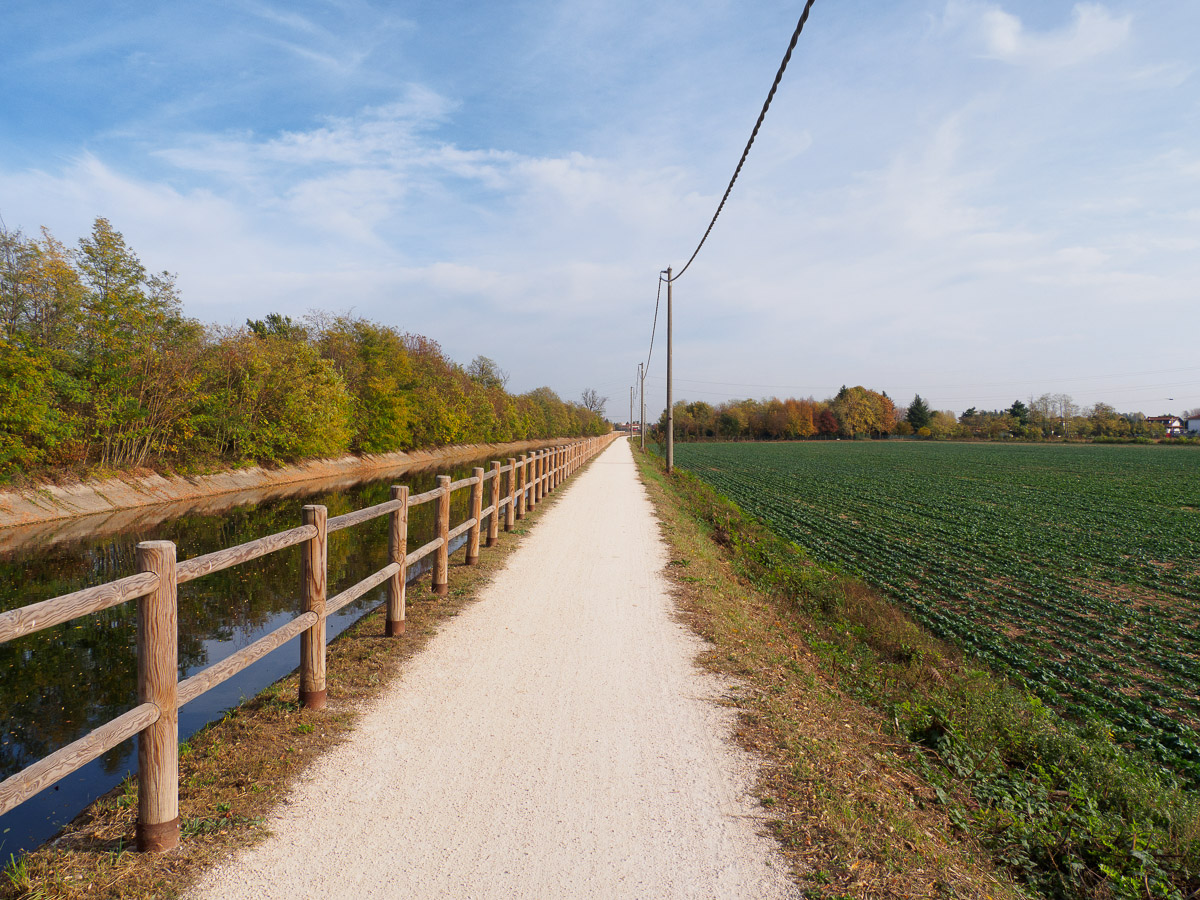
554, 741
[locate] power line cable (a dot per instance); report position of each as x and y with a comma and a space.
654, 327
1020, 384
753, 134
982, 397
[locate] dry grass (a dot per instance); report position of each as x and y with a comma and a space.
234, 771
852, 818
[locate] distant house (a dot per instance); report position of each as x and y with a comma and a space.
1194, 425
1173, 424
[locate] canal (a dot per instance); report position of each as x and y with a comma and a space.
59, 684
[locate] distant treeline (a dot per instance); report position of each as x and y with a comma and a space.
853, 411
858, 412
100, 368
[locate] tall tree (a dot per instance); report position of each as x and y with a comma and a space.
377, 372
276, 325
17, 256
827, 422
857, 410
56, 298
132, 332
1020, 412
486, 372
887, 413
918, 415
800, 422
732, 421
593, 402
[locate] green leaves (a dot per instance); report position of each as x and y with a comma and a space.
31, 427
1063, 567
100, 366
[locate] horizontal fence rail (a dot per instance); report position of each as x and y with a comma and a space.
155, 719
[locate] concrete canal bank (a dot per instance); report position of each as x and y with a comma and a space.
54, 503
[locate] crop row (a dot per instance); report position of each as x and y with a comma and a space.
1075, 570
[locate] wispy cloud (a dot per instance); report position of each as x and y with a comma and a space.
919, 201
1093, 31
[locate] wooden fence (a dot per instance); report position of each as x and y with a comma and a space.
160, 693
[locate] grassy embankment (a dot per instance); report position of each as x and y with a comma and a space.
897, 768
235, 770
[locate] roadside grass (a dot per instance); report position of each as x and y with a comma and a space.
897, 768
234, 771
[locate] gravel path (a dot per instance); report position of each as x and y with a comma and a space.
554, 740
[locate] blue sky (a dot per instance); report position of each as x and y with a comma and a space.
976, 201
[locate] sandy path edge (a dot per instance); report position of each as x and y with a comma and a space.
554, 740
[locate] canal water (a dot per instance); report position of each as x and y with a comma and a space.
59, 684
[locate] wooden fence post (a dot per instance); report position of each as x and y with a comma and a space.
314, 563
474, 513
441, 559
397, 550
535, 494
541, 474
521, 488
510, 511
158, 683
493, 534
531, 481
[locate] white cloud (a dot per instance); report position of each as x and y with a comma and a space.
382, 134
1081, 257
903, 214
998, 34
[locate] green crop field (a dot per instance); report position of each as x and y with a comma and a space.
1074, 569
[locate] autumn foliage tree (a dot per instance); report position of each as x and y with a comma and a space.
862, 411
854, 411
99, 367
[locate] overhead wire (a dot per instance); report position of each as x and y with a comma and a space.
753, 134
976, 398
1018, 384
787, 56
654, 326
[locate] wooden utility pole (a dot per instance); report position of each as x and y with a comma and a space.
642, 402
670, 394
